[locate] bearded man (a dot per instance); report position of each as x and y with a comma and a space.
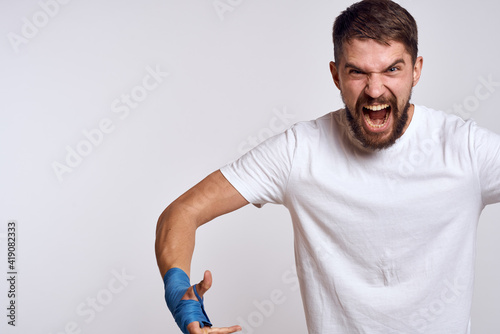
399, 243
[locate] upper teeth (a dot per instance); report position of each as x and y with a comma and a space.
378, 107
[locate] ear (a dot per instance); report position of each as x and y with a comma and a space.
335, 74
417, 70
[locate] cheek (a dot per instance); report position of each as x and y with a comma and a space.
351, 91
402, 88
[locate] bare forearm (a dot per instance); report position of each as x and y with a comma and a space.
175, 239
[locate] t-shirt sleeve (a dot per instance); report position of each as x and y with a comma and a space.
261, 175
487, 150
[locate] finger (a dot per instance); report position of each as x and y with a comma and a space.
201, 287
194, 328
205, 284
223, 330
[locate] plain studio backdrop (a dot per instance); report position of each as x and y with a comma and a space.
111, 109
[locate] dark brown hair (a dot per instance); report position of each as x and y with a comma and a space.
380, 20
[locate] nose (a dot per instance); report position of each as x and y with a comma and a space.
375, 86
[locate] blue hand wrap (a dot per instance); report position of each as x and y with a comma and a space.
184, 311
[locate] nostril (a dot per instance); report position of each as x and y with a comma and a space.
374, 92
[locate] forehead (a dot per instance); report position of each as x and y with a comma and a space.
373, 56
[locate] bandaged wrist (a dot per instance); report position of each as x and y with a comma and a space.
184, 311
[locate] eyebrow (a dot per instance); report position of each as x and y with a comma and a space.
354, 67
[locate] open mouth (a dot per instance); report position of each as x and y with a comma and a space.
377, 116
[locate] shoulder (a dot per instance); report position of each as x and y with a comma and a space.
440, 121
319, 126
452, 130
430, 115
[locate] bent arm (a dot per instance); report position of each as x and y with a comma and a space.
176, 228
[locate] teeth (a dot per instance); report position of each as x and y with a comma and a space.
377, 126
378, 107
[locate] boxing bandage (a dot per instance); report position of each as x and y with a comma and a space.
184, 311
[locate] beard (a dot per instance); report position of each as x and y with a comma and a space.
378, 140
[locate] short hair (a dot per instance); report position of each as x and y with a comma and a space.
380, 20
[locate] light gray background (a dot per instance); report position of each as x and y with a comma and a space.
230, 75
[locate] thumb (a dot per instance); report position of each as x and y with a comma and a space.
205, 284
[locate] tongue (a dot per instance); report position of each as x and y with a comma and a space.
377, 117
379, 114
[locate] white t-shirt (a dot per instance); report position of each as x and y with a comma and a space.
384, 240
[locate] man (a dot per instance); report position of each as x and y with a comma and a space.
379, 248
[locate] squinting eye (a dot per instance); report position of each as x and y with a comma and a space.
393, 69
